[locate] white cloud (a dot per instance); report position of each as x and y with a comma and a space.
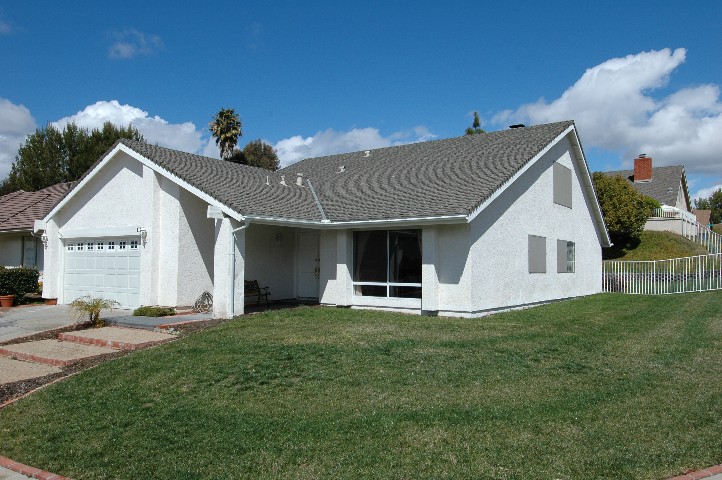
16, 123
613, 106
131, 43
179, 136
705, 192
329, 142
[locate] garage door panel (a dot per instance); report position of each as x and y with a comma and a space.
106, 268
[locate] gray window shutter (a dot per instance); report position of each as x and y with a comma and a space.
537, 254
561, 256
562, 185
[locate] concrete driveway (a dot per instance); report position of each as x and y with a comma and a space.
29, 319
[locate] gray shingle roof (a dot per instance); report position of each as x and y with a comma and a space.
19, 210
663, 187
430, 179
438, 178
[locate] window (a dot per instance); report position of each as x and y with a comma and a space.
100, 245
121, 245
565, 256
80, 246
387, 263
71, 247
134, 244
562, 185
111, 245
537, 254
90, 246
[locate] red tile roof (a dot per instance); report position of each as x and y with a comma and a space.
19, 210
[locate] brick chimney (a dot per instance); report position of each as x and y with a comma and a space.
642, 168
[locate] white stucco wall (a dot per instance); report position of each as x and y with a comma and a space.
674, 225
498, 260
195, 249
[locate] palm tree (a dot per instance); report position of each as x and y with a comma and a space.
226, 128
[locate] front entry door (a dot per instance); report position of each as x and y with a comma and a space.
308, 265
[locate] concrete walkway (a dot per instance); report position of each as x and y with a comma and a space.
27, 320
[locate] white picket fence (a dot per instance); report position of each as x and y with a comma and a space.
657, 277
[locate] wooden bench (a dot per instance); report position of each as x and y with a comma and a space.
251, 289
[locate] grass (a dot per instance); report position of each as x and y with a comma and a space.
607, 386
655, 246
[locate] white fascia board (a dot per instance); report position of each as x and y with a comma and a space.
518, 174
153, 166
589, 186
122, 231
393, 222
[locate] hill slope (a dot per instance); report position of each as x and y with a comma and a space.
655, 246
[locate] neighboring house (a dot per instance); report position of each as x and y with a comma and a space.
703, 216
462, 226
667, 185
18, 211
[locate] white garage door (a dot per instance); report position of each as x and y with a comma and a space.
102, 267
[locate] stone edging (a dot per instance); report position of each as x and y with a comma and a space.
31, 472
699, 474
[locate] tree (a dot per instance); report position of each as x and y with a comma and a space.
702, 204
51, 156
475, 127
260, 154
625, 210
226, 127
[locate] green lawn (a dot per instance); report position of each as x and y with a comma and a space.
655, 246
608, 386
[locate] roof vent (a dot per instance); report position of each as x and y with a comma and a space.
268, 181
341, 169
367, 153
283, 180
299, 179
518, 125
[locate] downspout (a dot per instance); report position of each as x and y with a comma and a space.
232, 270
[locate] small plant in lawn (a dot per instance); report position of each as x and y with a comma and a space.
90, 307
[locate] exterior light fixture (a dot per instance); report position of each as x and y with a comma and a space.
143, 234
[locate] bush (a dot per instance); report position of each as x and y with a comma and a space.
625, 210
153, 312
18, 281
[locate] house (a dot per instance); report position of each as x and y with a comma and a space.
704, 217
18, 211
461, 226
667, 185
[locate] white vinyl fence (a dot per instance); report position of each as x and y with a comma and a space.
656, 277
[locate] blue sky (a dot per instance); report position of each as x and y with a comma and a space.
314, 78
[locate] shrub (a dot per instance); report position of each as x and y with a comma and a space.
153, 312
18, 281
91, 307
625, 210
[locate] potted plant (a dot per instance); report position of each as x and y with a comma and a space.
7, 300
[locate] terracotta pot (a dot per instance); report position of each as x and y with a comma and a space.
6, 300
51, 301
